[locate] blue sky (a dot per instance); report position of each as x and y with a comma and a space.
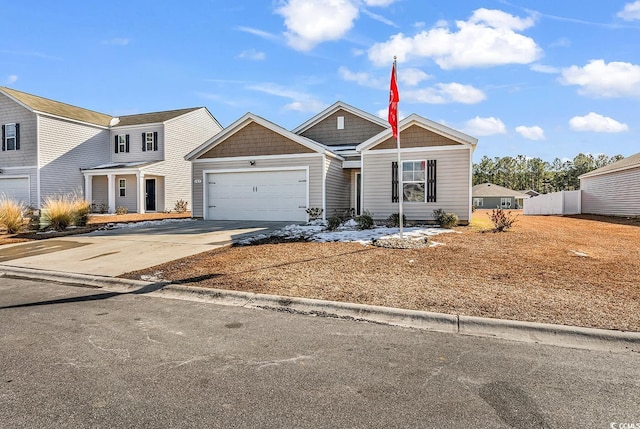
539, 78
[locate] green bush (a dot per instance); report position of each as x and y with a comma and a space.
365, 220
394, 220
314, 213
333, 222
122, 210
181, 206
445, 220
11, 215
502, 220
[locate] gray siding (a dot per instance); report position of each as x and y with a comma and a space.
10, 113
99, 190
65, 148
616, 193
338, 186
182, 135
495, 202
135, 144
313, 161
453, 187
356, 130
130, 199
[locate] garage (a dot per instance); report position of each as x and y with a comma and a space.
15, 188
270, 195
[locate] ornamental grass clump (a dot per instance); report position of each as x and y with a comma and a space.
58, 212
81, 208
11, 215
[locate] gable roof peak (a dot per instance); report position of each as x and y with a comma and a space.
339, 105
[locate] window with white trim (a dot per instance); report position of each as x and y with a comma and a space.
122, 185
122, 143
341, 122
478, 202
10, 137
148, 141
505, 203
413, 181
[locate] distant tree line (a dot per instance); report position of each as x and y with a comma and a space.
522, 173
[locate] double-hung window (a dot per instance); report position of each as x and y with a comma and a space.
10, 137
478, 202
122, 186
413, 181
148, 141
122, 144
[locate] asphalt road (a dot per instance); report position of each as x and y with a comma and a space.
73, 357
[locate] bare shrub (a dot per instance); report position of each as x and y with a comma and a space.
502, 220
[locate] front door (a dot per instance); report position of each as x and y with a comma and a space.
150, 195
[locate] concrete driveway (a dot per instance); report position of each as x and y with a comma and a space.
118, 251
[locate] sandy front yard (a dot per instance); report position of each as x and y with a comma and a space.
581, 271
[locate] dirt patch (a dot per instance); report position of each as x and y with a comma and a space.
577, 270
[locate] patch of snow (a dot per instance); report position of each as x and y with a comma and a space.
348, 232
145, 223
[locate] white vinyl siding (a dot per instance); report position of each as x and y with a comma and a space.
99, 191
129, 200
338, 187
616, 193
135, 144
182, 135
452, 184
66, 148
312, 161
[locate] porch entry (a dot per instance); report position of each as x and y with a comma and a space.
150, 195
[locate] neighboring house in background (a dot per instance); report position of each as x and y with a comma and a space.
134, 161
613, 189
530, 192
341, 159
491, 196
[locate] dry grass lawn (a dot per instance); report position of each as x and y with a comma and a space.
582, 271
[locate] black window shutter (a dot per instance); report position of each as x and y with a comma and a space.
116, 143
431, 181
17, 136
155, 140
394, 182
3, 147
126, 140
144, 142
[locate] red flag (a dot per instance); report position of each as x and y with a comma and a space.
394, 98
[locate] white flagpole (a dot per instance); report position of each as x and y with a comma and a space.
400, 193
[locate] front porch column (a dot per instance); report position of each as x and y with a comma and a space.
141, 192
88, 188
111, 189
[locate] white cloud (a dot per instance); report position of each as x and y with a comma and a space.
412, 76
379, 18
301, 101
384, 114
116, 41
12, 78
442, 93
531, 133
252, 54
484, 126
597, 123
378, 3
310, 22
488, 38
257, 32
542, 68
599, 79
631, 11
362, 78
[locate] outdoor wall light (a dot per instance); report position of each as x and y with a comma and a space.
252, 162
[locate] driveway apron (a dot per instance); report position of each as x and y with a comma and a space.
118, 251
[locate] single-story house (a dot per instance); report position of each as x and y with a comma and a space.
491, 196
134, 161
341, 159
613, 189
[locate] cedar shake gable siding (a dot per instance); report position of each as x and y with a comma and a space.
255, 140
356, 130
415, 137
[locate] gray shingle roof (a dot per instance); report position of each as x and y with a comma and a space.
623, 164
153, 117
491, 190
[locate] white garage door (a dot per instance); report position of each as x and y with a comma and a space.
15, 188
257, 195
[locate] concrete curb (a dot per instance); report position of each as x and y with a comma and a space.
557, 335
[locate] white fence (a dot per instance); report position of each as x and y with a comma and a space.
556, 203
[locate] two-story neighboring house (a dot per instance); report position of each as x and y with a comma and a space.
134, 161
